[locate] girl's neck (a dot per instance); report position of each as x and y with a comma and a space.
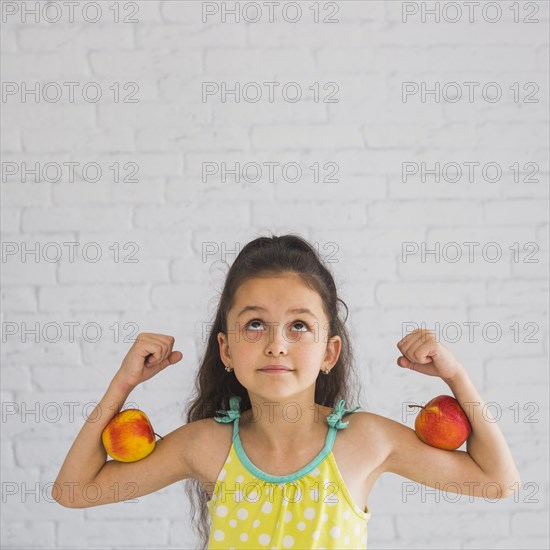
279, 432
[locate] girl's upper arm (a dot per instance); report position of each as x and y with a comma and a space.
173, 459
451, 471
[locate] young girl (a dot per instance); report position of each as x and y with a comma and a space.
276, 457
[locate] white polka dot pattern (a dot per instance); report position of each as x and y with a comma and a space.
310, 509
314, 511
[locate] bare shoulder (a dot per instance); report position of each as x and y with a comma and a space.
391, 437
371, 433
368, 423
212, 440
207, 428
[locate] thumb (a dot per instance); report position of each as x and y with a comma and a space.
423, 368
401, 361
175, 356
405, 363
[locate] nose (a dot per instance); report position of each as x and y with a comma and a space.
276, 343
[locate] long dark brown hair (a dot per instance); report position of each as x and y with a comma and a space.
262, 257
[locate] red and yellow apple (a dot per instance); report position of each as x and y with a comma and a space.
129, 436
442, 423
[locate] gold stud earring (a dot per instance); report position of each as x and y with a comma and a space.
228, 368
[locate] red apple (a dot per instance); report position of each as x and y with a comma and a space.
442, 423
129, 436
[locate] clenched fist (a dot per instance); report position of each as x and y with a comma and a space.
150, 354
423, 353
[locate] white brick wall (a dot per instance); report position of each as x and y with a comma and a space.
360, 222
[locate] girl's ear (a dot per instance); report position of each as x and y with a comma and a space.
334, 346
224, 349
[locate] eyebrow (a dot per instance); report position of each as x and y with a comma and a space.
290, 310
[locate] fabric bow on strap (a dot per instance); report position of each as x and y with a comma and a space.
334, 419
232, 413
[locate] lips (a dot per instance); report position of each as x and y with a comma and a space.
276, 368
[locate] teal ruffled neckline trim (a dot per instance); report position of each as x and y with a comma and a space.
334, 420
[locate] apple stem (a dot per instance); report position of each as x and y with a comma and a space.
158, 435
420, 406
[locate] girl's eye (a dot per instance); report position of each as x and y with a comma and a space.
304, 324
305, 329
250, 323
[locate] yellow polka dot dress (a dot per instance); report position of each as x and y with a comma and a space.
310, 509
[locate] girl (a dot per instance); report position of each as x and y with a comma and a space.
266, 447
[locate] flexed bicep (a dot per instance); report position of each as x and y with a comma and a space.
451, 471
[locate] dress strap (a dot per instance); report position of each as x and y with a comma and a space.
334, 419
232, 413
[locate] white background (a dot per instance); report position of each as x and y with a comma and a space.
359, 223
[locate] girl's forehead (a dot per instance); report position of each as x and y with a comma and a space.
277, 293
275, 289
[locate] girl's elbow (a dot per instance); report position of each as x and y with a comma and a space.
508, 488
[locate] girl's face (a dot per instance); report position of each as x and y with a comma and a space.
263, 330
